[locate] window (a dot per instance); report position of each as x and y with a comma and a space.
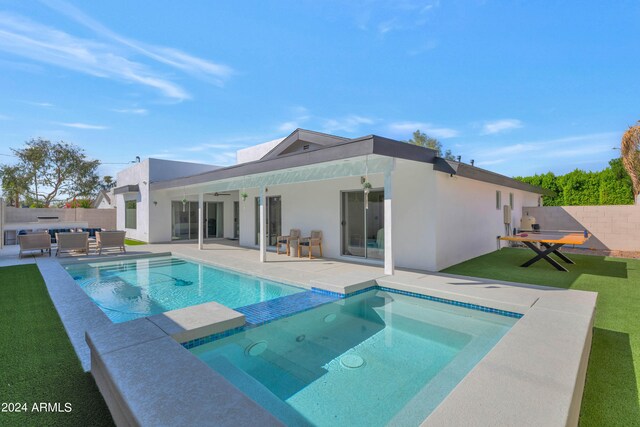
498, 199
511, 200
130, 207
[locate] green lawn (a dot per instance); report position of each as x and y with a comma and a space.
131, 242
38, 363
611, 393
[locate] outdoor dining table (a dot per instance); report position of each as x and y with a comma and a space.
549, 243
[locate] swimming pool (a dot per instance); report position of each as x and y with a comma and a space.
372, 359
134, 288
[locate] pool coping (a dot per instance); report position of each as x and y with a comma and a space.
550, 344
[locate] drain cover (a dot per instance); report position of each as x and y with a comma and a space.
329, 318
352, 361
256, 348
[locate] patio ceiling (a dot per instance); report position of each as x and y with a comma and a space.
359, 166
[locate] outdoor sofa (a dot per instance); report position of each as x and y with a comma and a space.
38, 241
68, 242
110, 239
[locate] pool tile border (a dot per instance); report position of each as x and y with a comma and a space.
423, 296
214, 337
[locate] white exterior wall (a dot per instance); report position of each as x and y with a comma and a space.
438, 220
307, 206
160, 227
468, 222
137, 174
256, 152
414, 215
153, 221
162, 170
317, 206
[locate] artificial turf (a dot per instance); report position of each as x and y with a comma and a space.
37, 361
611, 392
132, 242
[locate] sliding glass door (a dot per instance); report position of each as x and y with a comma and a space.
363, 224
273, 220
214, 219
180, 229
184, 220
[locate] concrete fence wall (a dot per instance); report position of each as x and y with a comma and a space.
612, 227
104, 218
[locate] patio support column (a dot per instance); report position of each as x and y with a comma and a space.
262, 237
389, 264
200, 220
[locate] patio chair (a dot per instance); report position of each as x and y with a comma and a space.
309, 242
110, 239
69, 242
34, 242
294, 236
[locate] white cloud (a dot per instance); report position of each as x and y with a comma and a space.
350, 123
407, 128
39, 104
23, 37
136, 111
288, 127
166, 55
498, 126
557, 154
84, 126
4, 117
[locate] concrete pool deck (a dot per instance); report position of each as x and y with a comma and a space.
533, 376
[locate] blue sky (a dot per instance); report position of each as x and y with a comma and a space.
520, 87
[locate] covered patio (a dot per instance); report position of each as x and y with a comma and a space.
339, 176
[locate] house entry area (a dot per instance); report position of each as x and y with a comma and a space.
273, 220
363, 224
184, 220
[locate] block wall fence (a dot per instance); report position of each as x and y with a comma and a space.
612, 227
103, 218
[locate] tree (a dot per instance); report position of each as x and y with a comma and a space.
424, 140
107, 183
448, 155
630, 153
14, 184
50, 170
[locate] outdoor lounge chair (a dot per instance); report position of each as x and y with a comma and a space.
294, 236
68, 242
314, 240
110, 239
34, 242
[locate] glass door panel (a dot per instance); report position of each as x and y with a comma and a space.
236, 220
179, 221
363, 227
375, 225
193, 219
353, 225
214, 219
274, 219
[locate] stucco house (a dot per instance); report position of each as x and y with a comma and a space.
375, 199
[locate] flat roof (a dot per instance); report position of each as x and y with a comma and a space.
349, 148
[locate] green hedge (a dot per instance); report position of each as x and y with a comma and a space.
611, 186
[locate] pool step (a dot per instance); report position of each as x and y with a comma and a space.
258, 392
131, 266
268, 311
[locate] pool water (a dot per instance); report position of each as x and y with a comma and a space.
373, 359
134, 288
